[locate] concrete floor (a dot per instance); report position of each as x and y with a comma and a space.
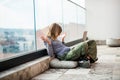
106, 68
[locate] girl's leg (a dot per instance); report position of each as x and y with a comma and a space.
92, 50
77, 52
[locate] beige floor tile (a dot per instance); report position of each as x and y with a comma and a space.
116, 77
56, 71
73, 77
77, 71
47, 77
98, 77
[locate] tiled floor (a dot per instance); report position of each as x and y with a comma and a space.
106, 68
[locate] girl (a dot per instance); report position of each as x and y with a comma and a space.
57, 48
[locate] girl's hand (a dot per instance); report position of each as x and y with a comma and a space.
63, 36
48, 41
44, 38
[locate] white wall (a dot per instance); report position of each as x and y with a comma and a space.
103, 19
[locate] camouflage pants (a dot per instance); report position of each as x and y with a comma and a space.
92, 49
83, 48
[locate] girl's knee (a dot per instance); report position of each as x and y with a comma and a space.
91, 42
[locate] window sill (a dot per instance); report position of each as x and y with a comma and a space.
27, 70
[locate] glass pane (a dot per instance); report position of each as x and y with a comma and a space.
81, 14
70, 20
79, 2
74, 20
16, 27
47, 12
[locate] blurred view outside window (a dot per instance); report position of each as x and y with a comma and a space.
16, 27
19, 19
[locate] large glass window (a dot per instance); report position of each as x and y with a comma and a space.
74, 19
16, 27
21, 23
70, 20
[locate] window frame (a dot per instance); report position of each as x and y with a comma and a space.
21, 59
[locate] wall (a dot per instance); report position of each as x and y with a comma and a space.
103, 19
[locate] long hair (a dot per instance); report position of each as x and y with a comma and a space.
54, 31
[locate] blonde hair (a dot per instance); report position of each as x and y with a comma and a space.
54, 31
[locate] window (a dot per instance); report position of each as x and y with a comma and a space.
70, 20
21, 23
16, 27
73, 19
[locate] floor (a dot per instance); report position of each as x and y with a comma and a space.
106, 68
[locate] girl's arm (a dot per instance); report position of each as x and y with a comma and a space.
62, 36
49, 49
45, 39
47, 43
